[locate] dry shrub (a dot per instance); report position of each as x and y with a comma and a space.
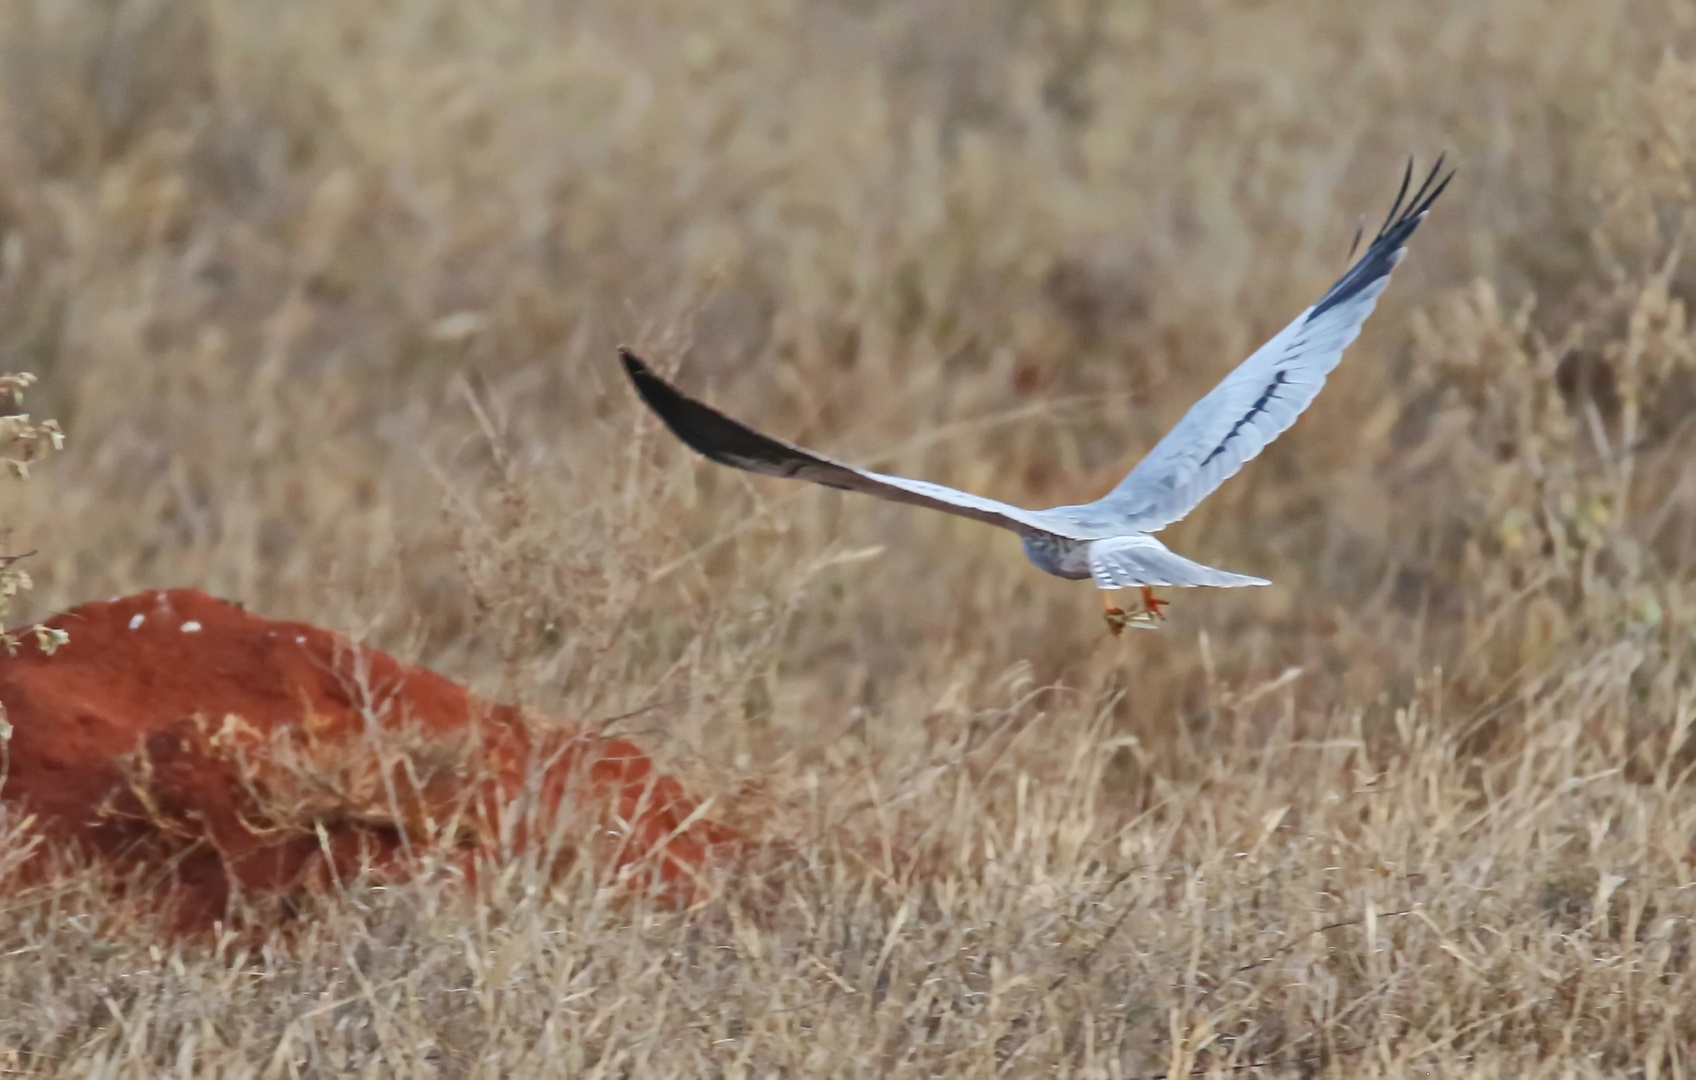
328, 297
22, 441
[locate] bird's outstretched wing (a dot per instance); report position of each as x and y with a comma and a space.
729, 442
1264, 395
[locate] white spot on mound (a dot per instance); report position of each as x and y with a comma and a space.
191, 627
301, 640
136, 621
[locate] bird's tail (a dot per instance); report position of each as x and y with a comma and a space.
1123, 561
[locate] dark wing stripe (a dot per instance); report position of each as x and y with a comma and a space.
1254, 410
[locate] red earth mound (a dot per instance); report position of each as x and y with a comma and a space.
221, 752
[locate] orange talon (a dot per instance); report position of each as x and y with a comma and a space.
1153, 604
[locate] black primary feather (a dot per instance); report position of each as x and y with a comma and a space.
1380, 258
712, 434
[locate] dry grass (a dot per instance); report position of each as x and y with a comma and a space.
325, 295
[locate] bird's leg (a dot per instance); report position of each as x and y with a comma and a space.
1115, 615
1153, 604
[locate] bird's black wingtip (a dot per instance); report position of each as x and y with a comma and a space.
1384, 252
1414, 210
632, 363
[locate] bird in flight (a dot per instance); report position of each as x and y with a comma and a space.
1111, 540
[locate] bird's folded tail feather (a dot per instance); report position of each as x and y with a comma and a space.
1126, 561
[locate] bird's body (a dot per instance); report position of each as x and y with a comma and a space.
1058, 555
1110, 539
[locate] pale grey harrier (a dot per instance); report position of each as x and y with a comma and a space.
1109, 539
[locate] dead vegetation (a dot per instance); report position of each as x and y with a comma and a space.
326, 296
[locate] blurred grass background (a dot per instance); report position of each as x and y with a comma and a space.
325, 296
